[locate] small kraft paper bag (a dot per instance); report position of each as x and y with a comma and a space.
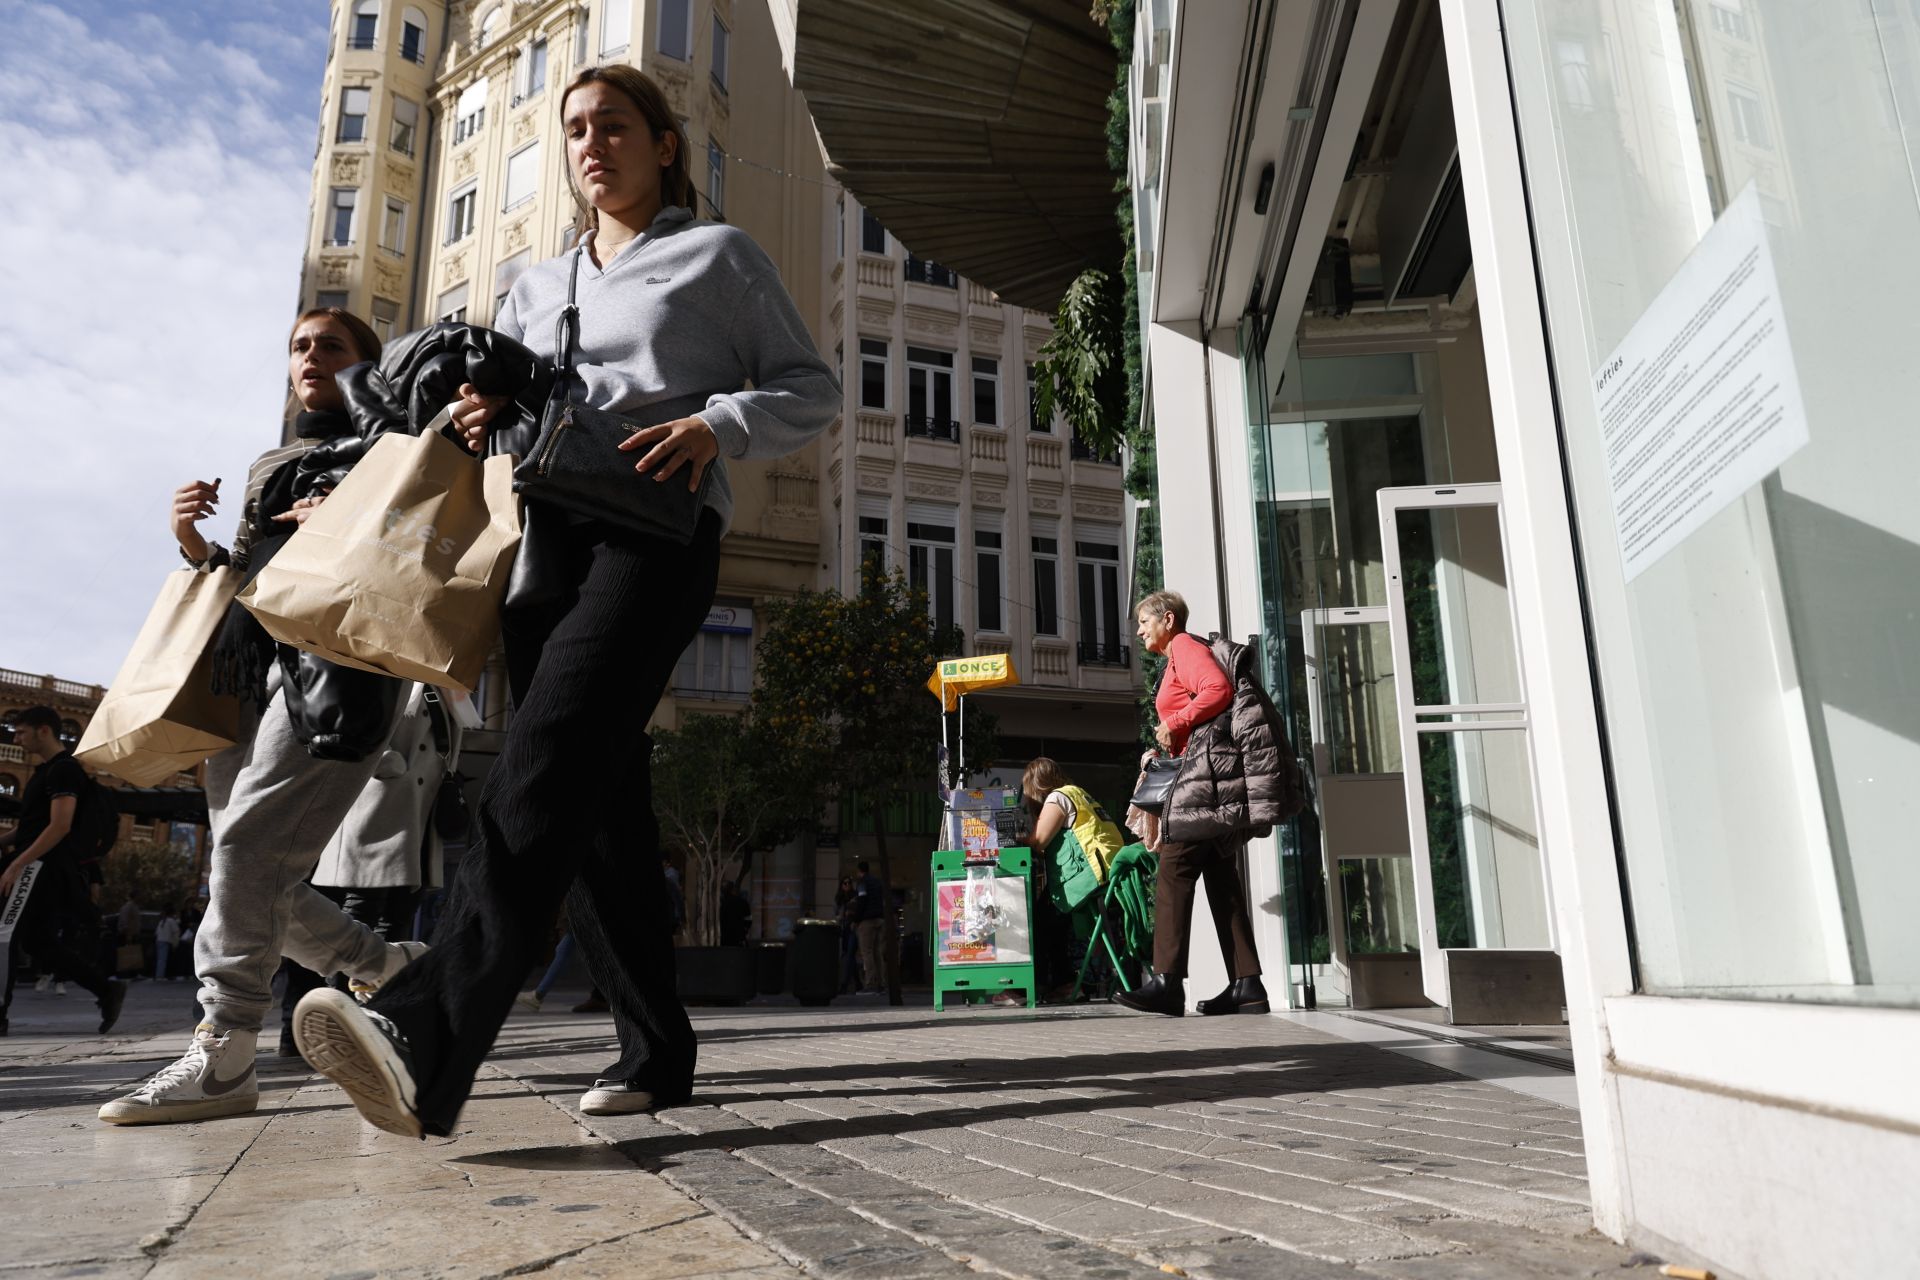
402, 569
160, 715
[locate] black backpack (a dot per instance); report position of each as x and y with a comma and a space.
96, 824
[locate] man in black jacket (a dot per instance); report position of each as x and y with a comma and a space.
52, 912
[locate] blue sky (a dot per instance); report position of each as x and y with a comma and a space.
157, 156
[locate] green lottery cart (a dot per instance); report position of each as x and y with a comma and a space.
982, 925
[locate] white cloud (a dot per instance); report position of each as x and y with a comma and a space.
152, 218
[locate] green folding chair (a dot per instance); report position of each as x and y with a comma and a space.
1126, 910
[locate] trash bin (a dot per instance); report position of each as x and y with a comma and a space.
813, 961
772, 966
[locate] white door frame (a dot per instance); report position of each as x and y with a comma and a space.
1508, 717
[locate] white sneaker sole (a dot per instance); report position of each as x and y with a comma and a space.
122, 1111
595, 1103
333, 1036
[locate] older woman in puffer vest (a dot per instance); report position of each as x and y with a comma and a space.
1237, 779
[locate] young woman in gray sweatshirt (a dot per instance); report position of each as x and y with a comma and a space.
685, 322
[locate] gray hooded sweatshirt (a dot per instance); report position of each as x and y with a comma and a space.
684, 318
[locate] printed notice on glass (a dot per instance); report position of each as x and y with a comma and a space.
1701, 400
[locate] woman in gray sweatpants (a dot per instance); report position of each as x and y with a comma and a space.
273, 804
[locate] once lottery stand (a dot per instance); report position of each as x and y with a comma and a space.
982, 899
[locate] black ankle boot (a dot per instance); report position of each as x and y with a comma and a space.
1157, 995
1243, 995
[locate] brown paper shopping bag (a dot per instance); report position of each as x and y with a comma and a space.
160, 715
402, 569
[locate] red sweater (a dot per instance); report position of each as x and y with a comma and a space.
1193, 691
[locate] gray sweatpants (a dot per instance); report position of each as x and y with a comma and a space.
273, 809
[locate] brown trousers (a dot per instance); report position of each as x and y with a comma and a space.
1181, 867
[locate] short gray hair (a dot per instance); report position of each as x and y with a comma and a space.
1165, 602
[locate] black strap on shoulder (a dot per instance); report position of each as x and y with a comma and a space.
567, 327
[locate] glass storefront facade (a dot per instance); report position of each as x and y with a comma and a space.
1758, 679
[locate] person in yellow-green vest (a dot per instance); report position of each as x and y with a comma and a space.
1073, 841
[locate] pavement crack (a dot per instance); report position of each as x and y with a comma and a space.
552, 1260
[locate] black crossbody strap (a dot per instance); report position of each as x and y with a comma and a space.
567, 328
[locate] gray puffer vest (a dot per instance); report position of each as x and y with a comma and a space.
1239, 775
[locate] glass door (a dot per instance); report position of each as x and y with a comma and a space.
1479, 879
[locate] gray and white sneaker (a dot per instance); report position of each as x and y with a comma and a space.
215, 1077
361, 1052
399, 956
615, 1098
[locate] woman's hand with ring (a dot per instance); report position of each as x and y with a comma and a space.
687, 441
1163, 736
471, 414
302, 508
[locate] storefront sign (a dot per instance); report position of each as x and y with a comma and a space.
983, 920
955, 676
729, 619
1701, 400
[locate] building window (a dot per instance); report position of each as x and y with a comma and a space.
1730, 19
927, 271
580, 38
1097, 561
452, 305
722, 46
930, 560
676, 29
716, 179
535, 77
987, 578
523, 175
840, 226
470, 111
873, 546
386, 318
331, 298
873, 236
413, 35
1033, 404
930, 394
460, 210
393, 226
717, 665
9, 785
1576, 74
505, 274
1046, 585
353, 115
406, 122
1749, 118
340, 209
986, 391
616, 26
873, 373
490, 25
365, 31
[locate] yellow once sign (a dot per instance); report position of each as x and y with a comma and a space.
956, 676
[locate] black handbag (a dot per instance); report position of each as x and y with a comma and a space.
576, 463
1156, 784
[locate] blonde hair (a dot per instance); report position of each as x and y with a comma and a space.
676, 181
1165, 602
1043, 777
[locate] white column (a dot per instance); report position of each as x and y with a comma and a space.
1575, 820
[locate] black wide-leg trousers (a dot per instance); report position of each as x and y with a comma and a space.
567, 814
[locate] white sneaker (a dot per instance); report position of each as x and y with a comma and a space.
44, 981
399, 956
215, 1077
529, 1000
361, 1052
615, 1098
59, 988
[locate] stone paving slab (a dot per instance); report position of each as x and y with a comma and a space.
856, 1141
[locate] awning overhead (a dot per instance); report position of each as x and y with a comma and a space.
974, 129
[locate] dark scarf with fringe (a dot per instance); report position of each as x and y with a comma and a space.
243, 652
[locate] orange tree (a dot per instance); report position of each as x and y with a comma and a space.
842, 687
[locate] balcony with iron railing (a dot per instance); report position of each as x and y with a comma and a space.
360, 42
1083, 452
1104, 653
930, 428
926, 271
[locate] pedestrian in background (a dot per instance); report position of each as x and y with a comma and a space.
1193, 692
273, 804
849, 940
869, 917
166, 936
723, 364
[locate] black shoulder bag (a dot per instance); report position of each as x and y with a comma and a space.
1156, 784
577, 464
